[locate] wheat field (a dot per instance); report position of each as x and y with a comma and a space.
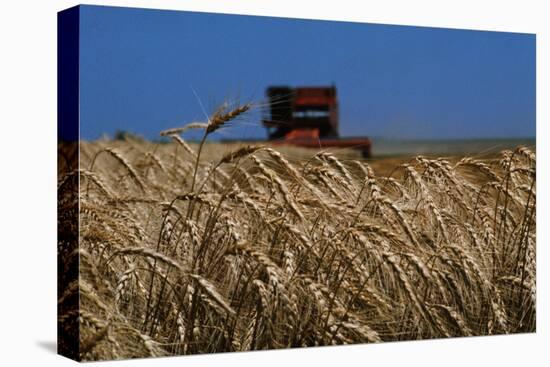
202, 248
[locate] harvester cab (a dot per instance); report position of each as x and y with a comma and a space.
308, 109
308, 117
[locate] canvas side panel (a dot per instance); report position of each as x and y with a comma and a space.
68, 182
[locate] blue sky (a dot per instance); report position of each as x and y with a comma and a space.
140, 70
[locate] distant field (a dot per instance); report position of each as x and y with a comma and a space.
387, 153
389, 147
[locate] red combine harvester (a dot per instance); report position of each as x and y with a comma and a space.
307, 117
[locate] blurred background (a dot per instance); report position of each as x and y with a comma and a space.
411, 90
